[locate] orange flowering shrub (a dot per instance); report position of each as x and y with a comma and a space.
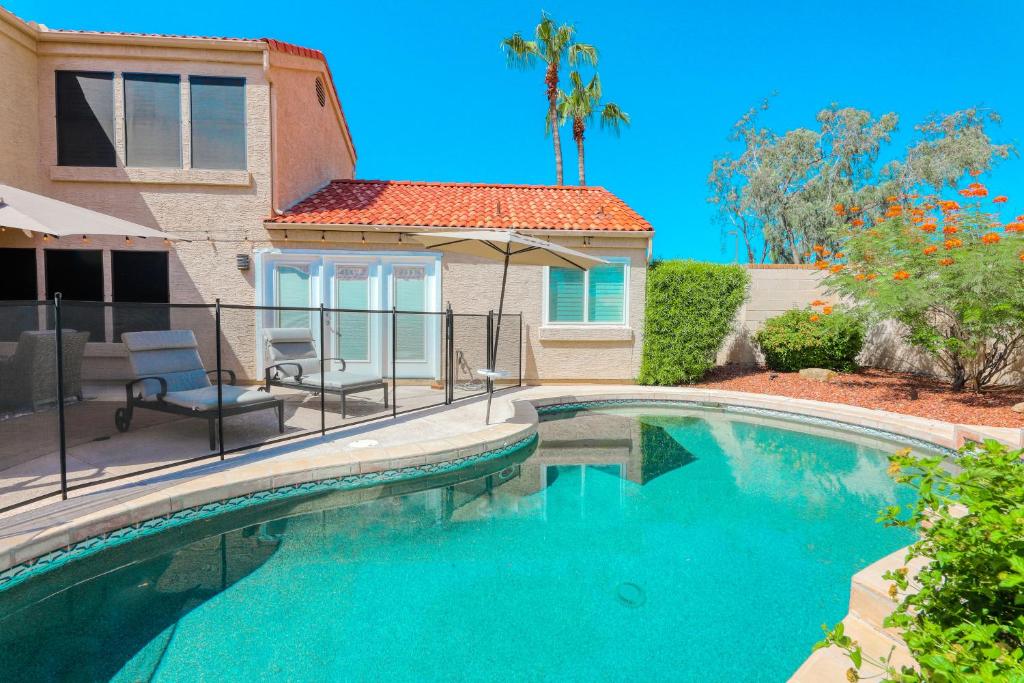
967, 312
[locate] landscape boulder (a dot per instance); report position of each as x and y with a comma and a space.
818, 374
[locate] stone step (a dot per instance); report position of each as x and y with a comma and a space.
831, 664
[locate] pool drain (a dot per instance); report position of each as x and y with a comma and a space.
630, 594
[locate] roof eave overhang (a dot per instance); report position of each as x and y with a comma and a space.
198, 43
274, 225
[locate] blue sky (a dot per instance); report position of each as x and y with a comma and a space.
428, 96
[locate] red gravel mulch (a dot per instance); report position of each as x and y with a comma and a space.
882, 391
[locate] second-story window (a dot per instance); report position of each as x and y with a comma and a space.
152, 120
218, 122
85, 118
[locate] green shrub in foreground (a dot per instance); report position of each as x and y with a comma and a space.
690, 310
963, 619
805, 339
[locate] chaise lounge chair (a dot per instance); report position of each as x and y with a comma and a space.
295, 364
170, 377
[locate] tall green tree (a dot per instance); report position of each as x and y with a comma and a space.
552, 44
580, 105
781, 192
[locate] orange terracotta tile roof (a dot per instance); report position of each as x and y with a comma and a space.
465, 205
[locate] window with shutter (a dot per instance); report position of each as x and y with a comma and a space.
152, 120
293, 291
410, 295
597, 295
352, 330
218, 122
565, 295
85, 118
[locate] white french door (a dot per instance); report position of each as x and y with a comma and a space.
366, 285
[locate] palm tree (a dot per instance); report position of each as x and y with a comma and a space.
581, 104
551, 44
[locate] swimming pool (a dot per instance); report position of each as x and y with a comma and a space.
637, 541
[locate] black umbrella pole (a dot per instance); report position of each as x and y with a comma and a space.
493, 360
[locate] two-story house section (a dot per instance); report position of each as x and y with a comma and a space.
239, 149
202, 138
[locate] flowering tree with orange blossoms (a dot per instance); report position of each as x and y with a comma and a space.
948, 269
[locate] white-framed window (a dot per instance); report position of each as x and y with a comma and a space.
597, 296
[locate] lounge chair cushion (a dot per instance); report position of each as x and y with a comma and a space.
336, 379
205, 399
171, 354
293, 345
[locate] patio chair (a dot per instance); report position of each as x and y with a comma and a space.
29, 377
170, 378
295, 364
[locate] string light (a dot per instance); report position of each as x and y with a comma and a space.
167, 242
128, 240
285, 235
399, 238
323, 236
85, 238
362, 237
46, 238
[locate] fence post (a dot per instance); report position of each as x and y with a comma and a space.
220, 388
60, 398
323, 369
447, 353
394, 366
520, 383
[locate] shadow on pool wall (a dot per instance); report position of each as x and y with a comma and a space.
136, 613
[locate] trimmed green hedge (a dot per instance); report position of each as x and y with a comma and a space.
690, 310
793, 341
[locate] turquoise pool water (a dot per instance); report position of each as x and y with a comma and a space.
638, 544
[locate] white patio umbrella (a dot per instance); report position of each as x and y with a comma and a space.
507, 246
31, 212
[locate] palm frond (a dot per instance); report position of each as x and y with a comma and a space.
582, 53
519, 52
612, 117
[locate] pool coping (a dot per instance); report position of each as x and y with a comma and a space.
59, 537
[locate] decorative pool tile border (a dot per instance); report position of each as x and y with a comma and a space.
750, 410
58, 558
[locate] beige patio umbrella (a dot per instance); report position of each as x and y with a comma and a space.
35, 213
507, 246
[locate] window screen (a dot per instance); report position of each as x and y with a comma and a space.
293, 291
218, 122
152, 120
85, 118
78, 275
352, 330
18, 284
140, 277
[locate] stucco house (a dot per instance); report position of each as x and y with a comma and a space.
241, 148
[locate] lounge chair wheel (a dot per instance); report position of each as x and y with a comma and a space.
121, 420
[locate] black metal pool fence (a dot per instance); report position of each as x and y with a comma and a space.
92, 392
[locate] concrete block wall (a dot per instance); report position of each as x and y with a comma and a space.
775, 289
